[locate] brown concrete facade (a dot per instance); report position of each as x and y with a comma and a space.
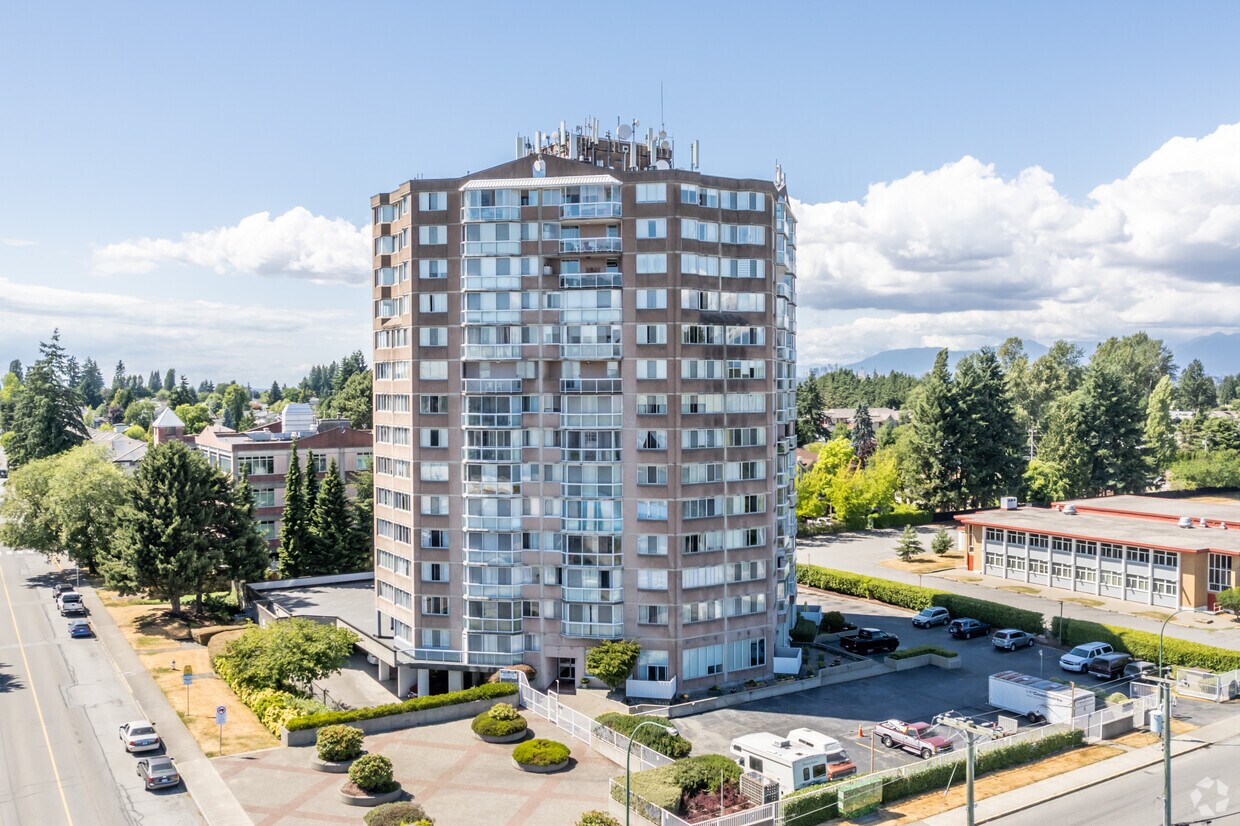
553, 413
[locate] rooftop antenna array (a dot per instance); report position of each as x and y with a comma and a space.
623, 149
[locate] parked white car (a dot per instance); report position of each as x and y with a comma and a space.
1078, 658
139, 735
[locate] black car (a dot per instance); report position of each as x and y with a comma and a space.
966, 628
870, 641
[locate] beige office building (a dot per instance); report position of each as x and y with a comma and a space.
584, 416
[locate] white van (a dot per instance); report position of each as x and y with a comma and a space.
791, 765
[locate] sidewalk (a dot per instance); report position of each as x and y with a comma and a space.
215, 800
860, 553
1017, 800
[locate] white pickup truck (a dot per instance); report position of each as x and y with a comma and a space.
912, 737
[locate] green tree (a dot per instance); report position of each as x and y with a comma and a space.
195, 417
1138, 359
1229, 600
331, 525
153, 383
1196, 390
1159, 432
1217, 469
170, 381
612, 661
857, 493
863, 441
942, 542
354, 401
310, 478
1045, 482
90, 386
244, 556
164, 541
236, 402
909, 545
141, 413
84, 501
296, 541
47, 415
136, 432
1096, 436
362, 545
1227, 389
988, 438
274, 395
287, 654
15, 367
810, 411
934, 440
118, 377
182, 394
1066, 449
25, 514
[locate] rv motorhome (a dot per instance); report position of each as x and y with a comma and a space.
792, 765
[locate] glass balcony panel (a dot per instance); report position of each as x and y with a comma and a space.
591, 209
611, 386
592, 525
584, 246
591, 280
592, 630
612, 595
492, 523
480, 591
492, 387
491, 213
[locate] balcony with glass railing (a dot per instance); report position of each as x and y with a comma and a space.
491, 421
438, 655
490, 352
476, 248
591, 281
572, 594
473, 522
490, 488
478, 590
494, 657
591, 490
492, 387
591, 421
490, 317
593, 351
503, 455
491, 559
587, 246
592, 630
590, 386
590, 210
473, 214
591, 456
611, 525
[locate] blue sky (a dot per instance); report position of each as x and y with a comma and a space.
153, 121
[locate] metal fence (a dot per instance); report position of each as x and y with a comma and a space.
1206, 685
757, 816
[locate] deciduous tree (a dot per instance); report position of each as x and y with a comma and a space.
1159, 432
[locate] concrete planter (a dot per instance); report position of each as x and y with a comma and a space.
396, 722
370, 800
516, 736
947, 663
332, 766
525, 767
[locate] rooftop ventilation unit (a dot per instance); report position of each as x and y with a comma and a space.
1186, 522
1069, 510
1008, 503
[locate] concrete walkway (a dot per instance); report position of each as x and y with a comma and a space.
861, 552
1026, 797
215, 800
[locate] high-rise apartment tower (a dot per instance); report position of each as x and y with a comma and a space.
584, 423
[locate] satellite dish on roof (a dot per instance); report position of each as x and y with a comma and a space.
665, 145
662, 163
662, 134
624, 131
540, 168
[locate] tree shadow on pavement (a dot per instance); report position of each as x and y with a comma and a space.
9, 682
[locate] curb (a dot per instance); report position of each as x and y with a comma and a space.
215, 801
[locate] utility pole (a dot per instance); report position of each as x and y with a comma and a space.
1166, 733
971, 730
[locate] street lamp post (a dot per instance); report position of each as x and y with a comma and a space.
1167, 687
628, 761
971, 730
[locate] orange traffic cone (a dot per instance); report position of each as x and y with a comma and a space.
860, 732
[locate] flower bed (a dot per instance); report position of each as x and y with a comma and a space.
482, 692
541, 756
370, 782
501, 723
337, 748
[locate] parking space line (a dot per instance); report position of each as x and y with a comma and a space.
47, 740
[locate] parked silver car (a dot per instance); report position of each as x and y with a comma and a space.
158, 773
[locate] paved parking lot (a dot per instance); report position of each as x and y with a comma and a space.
914, 695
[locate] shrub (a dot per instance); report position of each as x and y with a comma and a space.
705, 772
804, 631
540, 752
905, 653
597, 818
915, 597
337, 743
283, 653
902, 515
1144, 645
613, 661
204, 635
832, 622
503, 711
1117, 697
396, 814
219, 641
671, 745
482, 692
373, 773
489, 725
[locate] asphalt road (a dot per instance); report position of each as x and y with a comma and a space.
61, 702
1213, 773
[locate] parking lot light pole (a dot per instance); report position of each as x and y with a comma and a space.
970, 730
628, 762
1163, 630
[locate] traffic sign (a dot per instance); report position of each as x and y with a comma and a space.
189, 669
188, 677
221, 715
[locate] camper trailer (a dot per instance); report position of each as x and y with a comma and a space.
1039, 699
792, 765
838, 764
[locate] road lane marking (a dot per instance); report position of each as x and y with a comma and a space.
47, 740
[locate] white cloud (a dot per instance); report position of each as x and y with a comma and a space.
298, 244
960, 256
203, 339
17, 242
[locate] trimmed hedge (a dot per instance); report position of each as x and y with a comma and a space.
832, 623
899, 517
541, 752
905, 653
488, 691
805, 630
492, 723
1144, 645
395, 814
915, 597
816, 804
204, 635
673, 746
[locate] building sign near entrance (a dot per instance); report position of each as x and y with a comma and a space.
508, 675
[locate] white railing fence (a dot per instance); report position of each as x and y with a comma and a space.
1206, 685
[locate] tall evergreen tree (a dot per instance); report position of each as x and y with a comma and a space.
362, 544
862, 435
274, 395
90, 386
164, 543
46, 418
332, 526
170, 379
153, 383
118, 377
1227, 389
312, 480
1065, 446
934, 449
296, 549
1097, 436
15, 367
1159, 432
989, 438
244, 556
1137, 359
182, 394
810, 411
1196, 390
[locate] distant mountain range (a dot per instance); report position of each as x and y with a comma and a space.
1219, 352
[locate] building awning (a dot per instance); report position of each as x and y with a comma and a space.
540, 183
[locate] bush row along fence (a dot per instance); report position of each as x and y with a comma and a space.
915, 597
1144, 645
609, 743
652, 813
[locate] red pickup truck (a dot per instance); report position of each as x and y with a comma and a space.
912, 737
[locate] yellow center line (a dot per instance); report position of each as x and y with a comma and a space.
47, 740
